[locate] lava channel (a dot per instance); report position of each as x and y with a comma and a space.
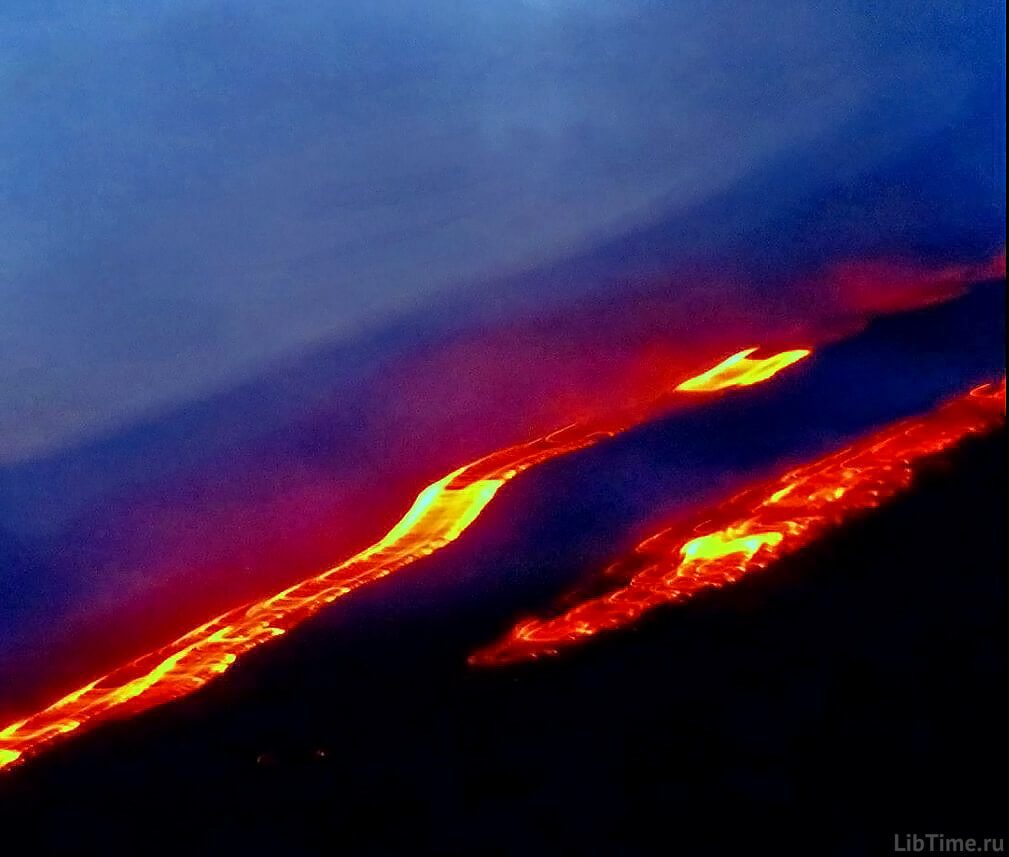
439, 515
754, 528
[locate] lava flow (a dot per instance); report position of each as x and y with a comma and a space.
756, 527
741, 370
439, 515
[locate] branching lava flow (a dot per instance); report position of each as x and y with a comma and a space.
439, 515
756, 527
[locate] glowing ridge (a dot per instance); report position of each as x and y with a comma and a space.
438, 516
756, 527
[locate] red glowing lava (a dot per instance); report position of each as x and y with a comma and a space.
439, 515
756, 527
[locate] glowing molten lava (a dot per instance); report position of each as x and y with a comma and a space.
439, 515
757, 526
741, 370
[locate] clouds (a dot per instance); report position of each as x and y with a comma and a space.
196, 190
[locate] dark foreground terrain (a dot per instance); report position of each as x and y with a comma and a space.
855, 692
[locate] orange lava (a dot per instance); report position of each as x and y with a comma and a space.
439, 515
756, 527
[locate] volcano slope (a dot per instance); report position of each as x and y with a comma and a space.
850, 693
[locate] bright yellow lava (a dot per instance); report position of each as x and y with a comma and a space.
740, 370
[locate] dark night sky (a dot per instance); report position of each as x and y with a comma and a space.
195, 190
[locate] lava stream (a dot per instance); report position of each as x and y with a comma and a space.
741, 370
755, 528
439, 515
